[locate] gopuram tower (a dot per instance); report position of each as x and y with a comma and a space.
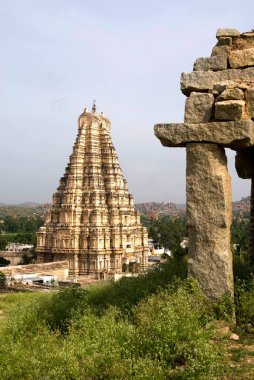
92, 222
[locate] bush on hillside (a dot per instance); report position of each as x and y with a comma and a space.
241, 266
2, 278
165, 338
244, 302
57, 309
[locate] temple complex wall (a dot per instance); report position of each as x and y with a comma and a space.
58, 269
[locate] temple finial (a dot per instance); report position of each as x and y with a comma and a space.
94, 106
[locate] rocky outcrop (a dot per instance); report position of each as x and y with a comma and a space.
198, 108
241, 58
230, 134
203, 81
219, 112
59, 269
209, 218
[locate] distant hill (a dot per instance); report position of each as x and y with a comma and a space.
150, 209
242, 206
24, 204
29, 204
157, 209
26, 210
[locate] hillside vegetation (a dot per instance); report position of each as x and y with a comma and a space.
156, 326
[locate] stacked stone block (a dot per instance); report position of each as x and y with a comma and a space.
219, 113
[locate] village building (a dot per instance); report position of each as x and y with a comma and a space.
18, 247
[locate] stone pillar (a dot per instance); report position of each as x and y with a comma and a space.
244, 163
251, 229
75, 264
209, 208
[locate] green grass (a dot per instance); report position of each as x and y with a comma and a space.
9, 302
156, 326
241, 359
150, 327
163, 338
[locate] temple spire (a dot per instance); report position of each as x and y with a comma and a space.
93, 223
94, 106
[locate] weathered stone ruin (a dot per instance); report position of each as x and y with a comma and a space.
92, 223
58, 269
219, 113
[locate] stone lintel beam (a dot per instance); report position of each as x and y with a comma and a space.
251, 228
205, 80
244, 163
230, 134
227, 32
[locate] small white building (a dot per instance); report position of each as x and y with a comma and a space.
29, 278
18, 247
155, 248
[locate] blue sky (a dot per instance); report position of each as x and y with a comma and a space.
57, 56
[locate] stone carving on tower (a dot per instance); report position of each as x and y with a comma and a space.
93, 223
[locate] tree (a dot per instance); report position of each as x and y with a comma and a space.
4, 262
2, 279
168, 232
11, 224
25, 238
3, 243
240, 233
26, 259
22, 224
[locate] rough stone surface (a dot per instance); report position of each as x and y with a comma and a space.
209, 206
217, 62
14, 256
249, 97
227, 32
234, 336
220, 50
241, 58
59, 269
229, 85
222, 86
231, 94
203, 81
245, 41
231, 134
230, 110
225, 41
198, 107
244, 163
227, 76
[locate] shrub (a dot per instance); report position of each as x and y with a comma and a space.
2, 278
170, 329
166, 338
244, 302
241, 266
128, 292
56, 310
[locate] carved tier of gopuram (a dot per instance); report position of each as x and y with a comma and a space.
92, 222
219, 113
